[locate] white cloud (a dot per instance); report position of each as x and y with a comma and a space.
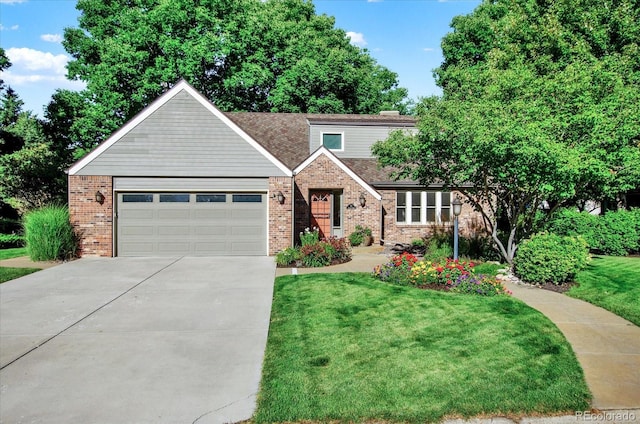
12, 1
52, 38
429, 49
374, 1
357, 38
11, 28
35, 60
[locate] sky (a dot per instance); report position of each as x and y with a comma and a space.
402, 35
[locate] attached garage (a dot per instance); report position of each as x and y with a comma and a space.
179, 179
192, 224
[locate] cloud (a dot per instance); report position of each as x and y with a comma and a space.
374, 1
51, 38
34, 66
357, 38
429, 49
12, 1
11, 28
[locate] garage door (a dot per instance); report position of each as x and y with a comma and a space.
197, 224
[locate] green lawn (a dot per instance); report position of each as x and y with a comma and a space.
613, 283
13, 253
7, 274
349, 348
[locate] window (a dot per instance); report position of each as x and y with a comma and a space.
423, 207
137, 198
174, 198
332, 141
247, 198
211, 198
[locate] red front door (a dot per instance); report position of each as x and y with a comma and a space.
321, 212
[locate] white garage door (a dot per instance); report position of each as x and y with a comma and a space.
191, 224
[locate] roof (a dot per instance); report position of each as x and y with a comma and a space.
286, 135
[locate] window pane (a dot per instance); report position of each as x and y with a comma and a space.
415, 214
174, 198
431, 198
431, 215
401, 198
211, 198
247, 198
445, 216
416, 198
137, 198
401, 215
332, 141
337, 209
446, 198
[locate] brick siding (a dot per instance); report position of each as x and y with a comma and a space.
280, 215
92, 221
324, 174
469, 222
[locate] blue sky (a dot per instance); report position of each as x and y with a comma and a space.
403, 35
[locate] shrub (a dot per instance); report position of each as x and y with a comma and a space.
570, 222
620, 235
287, 256
316, 255
437, 252
357, 237
8, 241
310, 236
550, 258
49, 234
340, 250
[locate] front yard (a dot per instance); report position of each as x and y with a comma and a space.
613, 283
348, 347
7, 273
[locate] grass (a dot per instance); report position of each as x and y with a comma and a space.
13, 253
613, 283
349, 348
7, 274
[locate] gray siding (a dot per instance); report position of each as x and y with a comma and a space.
182, 138
190, 184
357, 139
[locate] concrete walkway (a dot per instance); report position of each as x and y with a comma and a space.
607, 347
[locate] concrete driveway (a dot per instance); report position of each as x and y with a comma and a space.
135, 340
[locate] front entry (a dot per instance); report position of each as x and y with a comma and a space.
326, 206
321, 212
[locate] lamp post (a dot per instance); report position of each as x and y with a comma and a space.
457, 208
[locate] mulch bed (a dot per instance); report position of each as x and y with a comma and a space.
558, 288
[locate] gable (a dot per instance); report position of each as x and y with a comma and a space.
322, 152
181, 135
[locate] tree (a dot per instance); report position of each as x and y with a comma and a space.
540, 106
243, 55
30, 165
4, 64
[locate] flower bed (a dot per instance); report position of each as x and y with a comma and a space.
314, 252
451, 275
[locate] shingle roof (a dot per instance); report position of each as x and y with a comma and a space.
286, 136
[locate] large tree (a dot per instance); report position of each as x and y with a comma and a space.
244, 55
540, 106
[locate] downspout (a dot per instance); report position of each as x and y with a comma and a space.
293, 209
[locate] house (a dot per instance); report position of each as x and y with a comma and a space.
184, 178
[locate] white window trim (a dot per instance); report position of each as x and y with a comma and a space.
423, 207
341, 133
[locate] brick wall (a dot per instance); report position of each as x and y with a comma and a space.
469, 222
280, 215
93, 222
323, 173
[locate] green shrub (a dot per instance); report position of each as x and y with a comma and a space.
437, 252
550, 258
339, 248
570, 222
620, 236
8, 241
287, 256
49, 234
356, 238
